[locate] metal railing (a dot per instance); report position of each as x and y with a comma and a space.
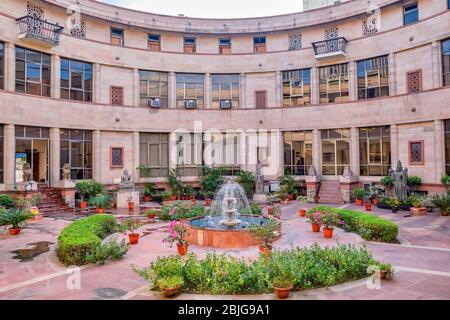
330, 46
39, 29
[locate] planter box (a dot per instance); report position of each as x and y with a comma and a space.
418, 211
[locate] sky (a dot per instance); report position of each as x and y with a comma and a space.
213, 8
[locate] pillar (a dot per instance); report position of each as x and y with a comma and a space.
436, 58
173, 155
207, 102
354, 151
172, 90
97, 83
392, 75
136, 156
136, 88
316, 152
10, 156
314, 86
439, 148
96, 156
280, 152
352, 81
56, 77
278, 90
243, 91
10, 67
394, 145
55, 165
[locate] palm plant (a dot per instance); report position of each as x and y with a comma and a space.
288, 182
175, 183
14, 217
149, 188
101, 201
247, 180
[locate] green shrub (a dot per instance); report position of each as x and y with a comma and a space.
211, 179
254, 210
109, 250
387, 181
413, 181
15, 217
149, 188
358, 193
101, 201
287, 181
88, 188
83, 236
247, 180
170, 282
6, 201
368, 226
181, 210
445, 180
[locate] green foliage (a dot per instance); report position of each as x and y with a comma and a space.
267, 233
302, 198
88, 188
413, 181
283, 194
387, 181
394, 202
223, 274
101, 201
6, 201
368, 226
175, 183
170, 282
14, 217
144, 171
181, 210
445, 180
211, 179
149, 188
109, 250
416, 200
81, 238
442, 201
282, 282
247, 180
254, 210
166, 195
358, 193
287, 181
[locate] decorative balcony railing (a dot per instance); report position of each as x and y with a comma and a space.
330, 48
36, 29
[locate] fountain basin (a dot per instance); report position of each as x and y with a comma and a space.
220, 236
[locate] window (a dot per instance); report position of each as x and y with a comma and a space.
410, 14
374, 151
35, 11
335, 151
295, 41
369, 26
333, 82
117, 37
189, 153
190, 45
154, 154
153, 88
447, 146
76, 80
32, 72
297, 152
2, 65
416, 153
446, 61
154, 42
116, 157
296, 87
190, 90
116, 96
373, 78
331, 32
76, 150
225, 46
259, 44
1, 153
225, 90
414, 81
78, 28
224, 150
261, 99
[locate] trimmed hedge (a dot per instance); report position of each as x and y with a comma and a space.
81, 237
368, 226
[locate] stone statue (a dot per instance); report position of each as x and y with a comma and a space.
312, 171
125, 181
347, 172
399, 176
259, 185
27, 172
66, 172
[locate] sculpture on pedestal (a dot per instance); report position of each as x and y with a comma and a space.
125, 181
27, 172
66, 172
399, 177
259, 185
347, 172
312, 171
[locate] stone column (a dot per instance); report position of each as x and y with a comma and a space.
96, 156
56, 77
439, 145
207, 102
136, 156
243, 91
352, 81
314, 85
55, 165
436, 58
97, 83
10, 67
10, 156
136, 88
172, 90
280, 153
173, 156
316, 152
392, 75
354, 151
278, 90
394, 145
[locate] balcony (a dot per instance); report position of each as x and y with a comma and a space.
39, 31
333, 48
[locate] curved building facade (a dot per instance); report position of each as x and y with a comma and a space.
355, 86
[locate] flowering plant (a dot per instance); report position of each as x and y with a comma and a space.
314, 217
267, 233
129, 224
177, 232
330, 219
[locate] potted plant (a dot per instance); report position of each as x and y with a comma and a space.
275, 213
367, 203
282, 286
329, 220
6, 201
149, 190
166, 195
283, 195
178, 233
442, 201
271, 197
394, 203
358, 194
175, 183
170, 285
83, 187
314, 217
384, 270
132, 225
101, 202
247, 180
151, 214
208, 197
288, 183
373, 194
445, 180
14, 217
302, 212
130, 203
413, 182
417, 208
266, 234
387, 181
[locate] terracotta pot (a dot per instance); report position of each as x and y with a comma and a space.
302, 212
327, 232
100, 210
282, 293
444, 213
170, 292
418, 211
83, 204
375, 201
151, 216
290, 196
358, 202
147, 198
173, 198
182, 249
130, 205
383, 274
265, 251
14, 231
134, 238
208, 202
193, 201
368, 206
271, 211
315, 227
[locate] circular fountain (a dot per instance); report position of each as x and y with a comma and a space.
228, 222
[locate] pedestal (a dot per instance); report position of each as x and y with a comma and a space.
68, 192
312, 184
259, 197
121, 198
347, 185
27, 186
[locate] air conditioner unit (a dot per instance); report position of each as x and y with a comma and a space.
225, 104
154, 102
190, 104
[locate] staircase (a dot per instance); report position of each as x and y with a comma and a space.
330, 192
52, 203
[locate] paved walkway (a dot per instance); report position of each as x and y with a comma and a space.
422, 262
